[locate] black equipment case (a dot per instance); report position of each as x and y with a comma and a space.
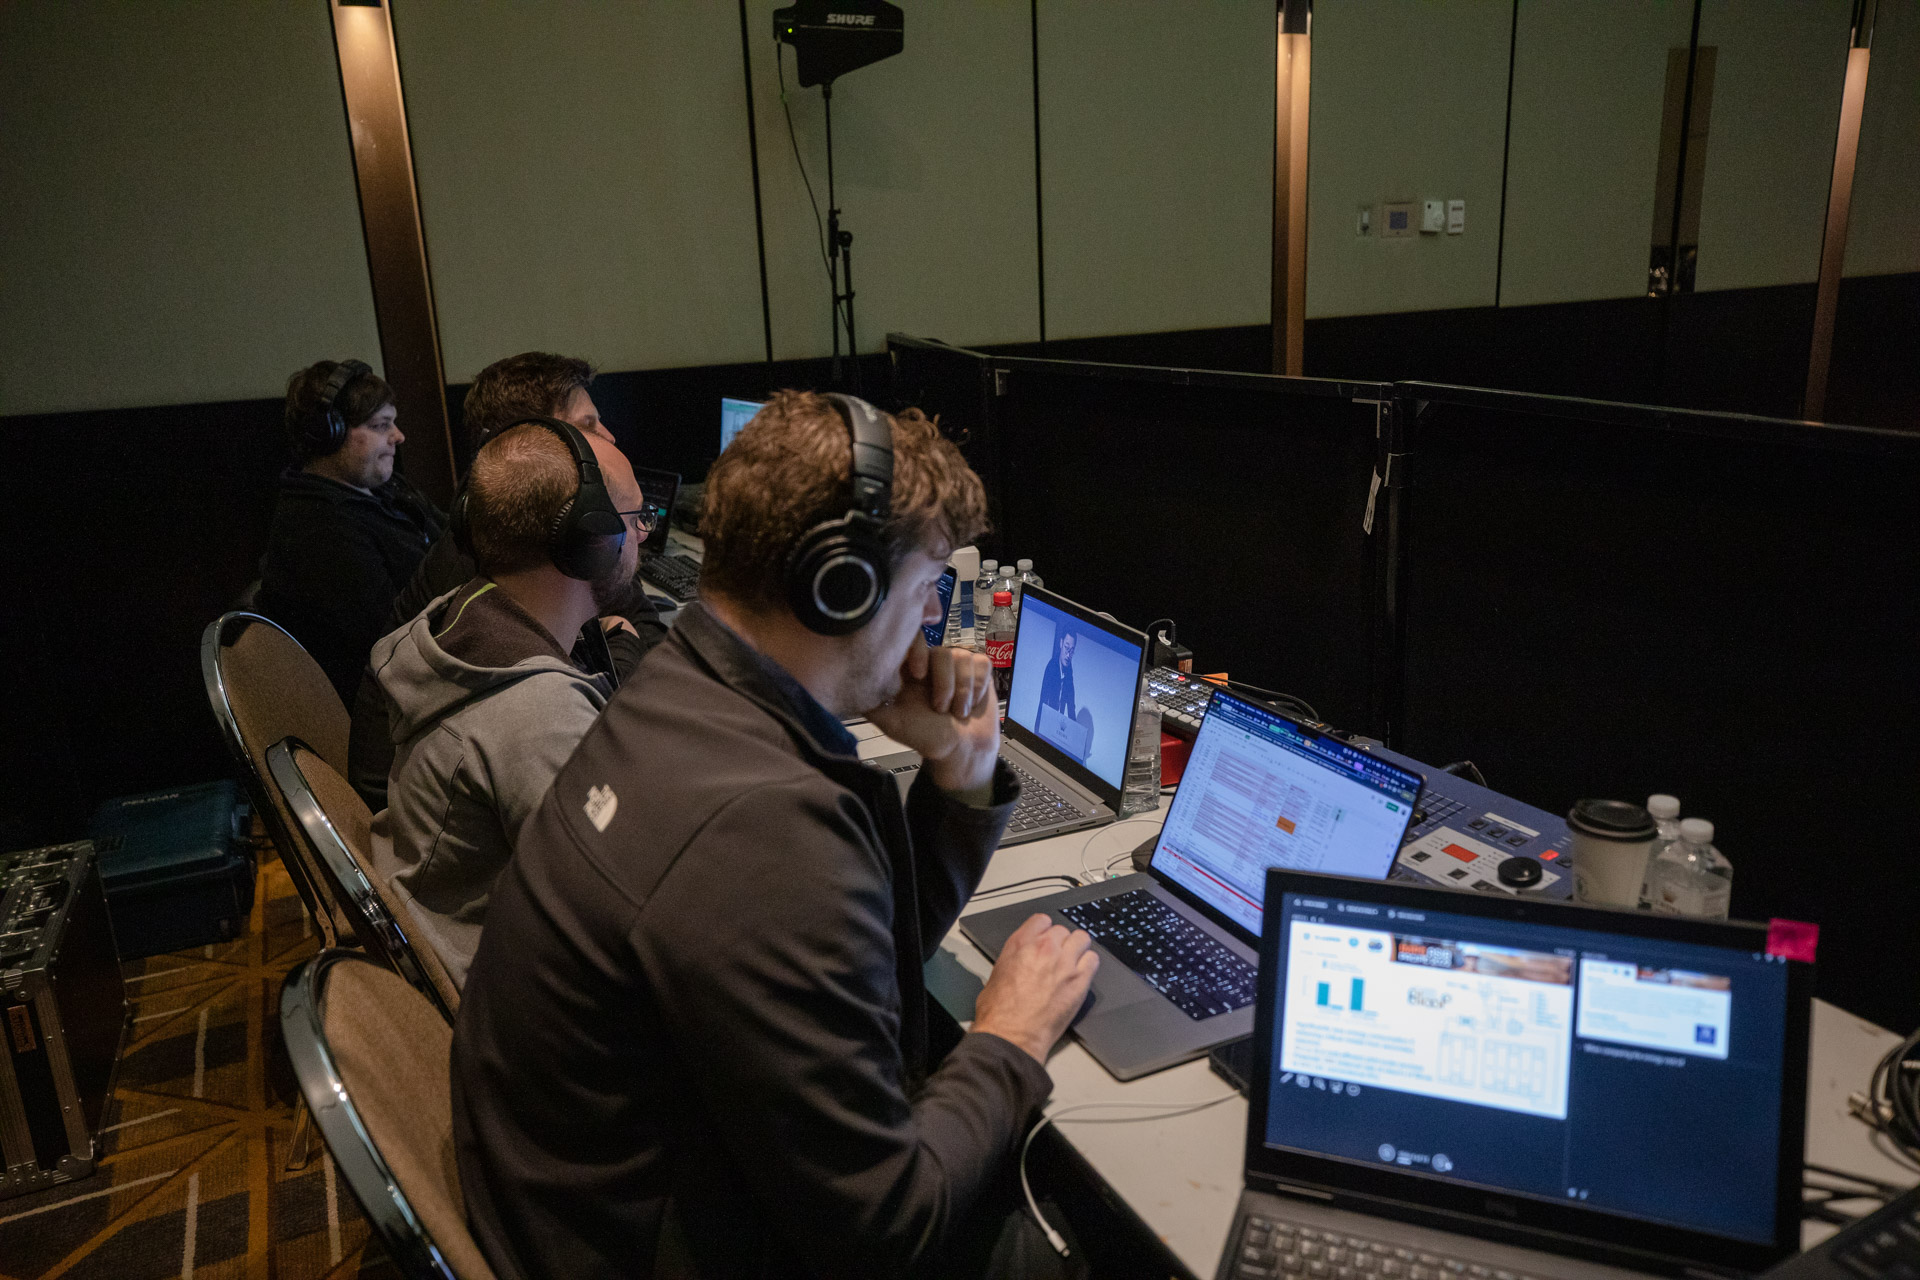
177, 865
63, 1010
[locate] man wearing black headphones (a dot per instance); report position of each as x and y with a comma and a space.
486, 703
696, 1040
347, 531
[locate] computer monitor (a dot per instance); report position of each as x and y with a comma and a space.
1075, 678
735, 414
1263, 791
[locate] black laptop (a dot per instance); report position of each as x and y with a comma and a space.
1178, 941
1076, 682
1494, 1088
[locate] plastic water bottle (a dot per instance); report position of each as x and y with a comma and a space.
983, 603
1691, 877
1666, 816
1010, 584
1140, 793
1028, 578
1000, 636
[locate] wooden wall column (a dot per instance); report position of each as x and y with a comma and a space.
1290, 95
396, 244
1833, 246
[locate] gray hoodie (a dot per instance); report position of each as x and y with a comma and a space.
484, 709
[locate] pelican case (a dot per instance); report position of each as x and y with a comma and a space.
177, 866
63, 1010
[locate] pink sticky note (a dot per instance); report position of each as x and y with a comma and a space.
1793, 939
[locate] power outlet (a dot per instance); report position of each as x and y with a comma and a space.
1433, 217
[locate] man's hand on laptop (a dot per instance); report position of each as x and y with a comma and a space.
1037, 986
947, 712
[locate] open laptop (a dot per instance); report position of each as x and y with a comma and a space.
1479, 1085
1067, 782
1178, 940
658, 489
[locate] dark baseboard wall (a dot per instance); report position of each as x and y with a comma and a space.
128, 530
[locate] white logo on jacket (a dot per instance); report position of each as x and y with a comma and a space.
601, 805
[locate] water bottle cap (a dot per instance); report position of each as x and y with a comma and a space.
1024, 565
1003, 597
1696, 831
988, 566
1006, 571
1665, 808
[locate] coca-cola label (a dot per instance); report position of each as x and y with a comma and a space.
1000, 652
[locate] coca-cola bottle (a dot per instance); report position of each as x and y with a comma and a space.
1000, 635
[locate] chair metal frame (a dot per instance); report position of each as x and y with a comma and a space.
355, 1155
219, 634
378, 933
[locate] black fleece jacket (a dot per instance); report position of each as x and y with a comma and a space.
694, 1039
336, 558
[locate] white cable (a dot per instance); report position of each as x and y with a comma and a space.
1087, 872
1163, 1110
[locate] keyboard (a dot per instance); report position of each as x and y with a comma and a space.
1884, 1245
1183, 700
1273, 1247
677, 575
1175, 956
1039, 804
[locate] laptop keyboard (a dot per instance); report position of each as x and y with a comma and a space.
1270, 1247
1178, 959
677, 575
1039, 804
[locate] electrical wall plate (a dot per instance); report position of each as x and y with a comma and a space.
1433, 216
1363, 224
1456, 217
1396, 220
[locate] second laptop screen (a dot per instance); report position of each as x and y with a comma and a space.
1074, 686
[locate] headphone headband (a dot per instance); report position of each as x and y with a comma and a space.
324, 430
587, 533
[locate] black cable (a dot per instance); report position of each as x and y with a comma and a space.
1892, 1103
759, 223
1299, 704
820, 227
1069, 881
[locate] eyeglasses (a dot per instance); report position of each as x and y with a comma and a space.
645, 519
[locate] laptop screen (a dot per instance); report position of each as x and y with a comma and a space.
1540, 1053
1074, 684
1262, 791
658, 490
735, 414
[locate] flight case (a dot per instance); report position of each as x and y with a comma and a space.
177, 865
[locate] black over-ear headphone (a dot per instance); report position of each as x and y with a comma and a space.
324, 430
839, 572
587, 534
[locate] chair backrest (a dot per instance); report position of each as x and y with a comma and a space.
372, 1057
264, 687
338, 831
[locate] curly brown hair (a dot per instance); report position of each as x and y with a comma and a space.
533, 384
789, 469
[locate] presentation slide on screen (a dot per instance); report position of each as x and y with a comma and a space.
1073, 686
1486, 1025
1670, 1009
1255, 804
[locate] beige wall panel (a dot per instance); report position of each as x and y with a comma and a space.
1157, 142
1588, 79
933, 154
178, 220
1409, 103
583, 180
1883, 235
1776, 112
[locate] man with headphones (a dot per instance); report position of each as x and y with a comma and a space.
696, 1039
347, 531
485, 701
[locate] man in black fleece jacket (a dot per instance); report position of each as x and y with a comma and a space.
694, 1039
529, 385
347, 532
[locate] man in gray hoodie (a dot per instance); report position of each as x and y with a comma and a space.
486, 703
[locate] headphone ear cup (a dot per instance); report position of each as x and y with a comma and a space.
588, 545
457, 524
838, 577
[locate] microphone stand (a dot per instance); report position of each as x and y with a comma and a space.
839, 258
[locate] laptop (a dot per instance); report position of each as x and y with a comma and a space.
1178, 941
1062, 791
658, 490
1484, 1086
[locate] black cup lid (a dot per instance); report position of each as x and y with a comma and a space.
1612, 820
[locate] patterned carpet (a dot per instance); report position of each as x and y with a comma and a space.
197, 1135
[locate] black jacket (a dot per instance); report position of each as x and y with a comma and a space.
694, 1039
336, 558
445, 566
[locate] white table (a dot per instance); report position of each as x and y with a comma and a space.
1182, 1175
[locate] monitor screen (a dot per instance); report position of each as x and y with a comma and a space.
1635, 1075
1074, 685
735, 414
1262, 791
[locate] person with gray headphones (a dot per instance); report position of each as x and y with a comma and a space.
347, 530
485, 701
